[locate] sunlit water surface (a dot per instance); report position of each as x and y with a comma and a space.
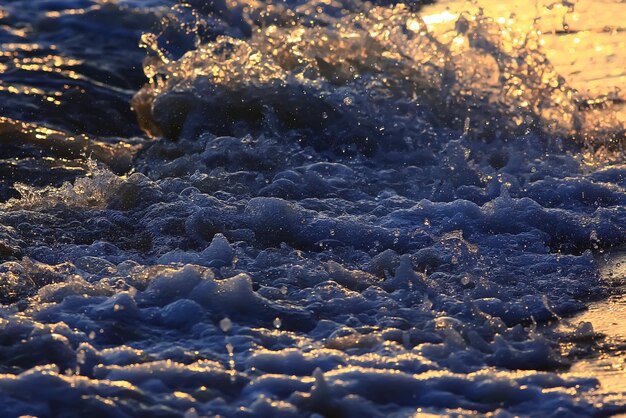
304, 208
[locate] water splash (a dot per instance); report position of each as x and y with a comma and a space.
453, 68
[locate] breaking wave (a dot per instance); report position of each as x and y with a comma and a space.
344, 209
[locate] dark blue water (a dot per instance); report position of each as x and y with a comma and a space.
299, 208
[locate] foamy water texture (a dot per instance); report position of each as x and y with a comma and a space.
315, 208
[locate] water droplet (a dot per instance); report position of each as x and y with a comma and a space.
277, 323
226, 324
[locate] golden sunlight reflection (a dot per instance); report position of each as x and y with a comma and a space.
584, 40
608, 317
117, 155
438, 18
33, 58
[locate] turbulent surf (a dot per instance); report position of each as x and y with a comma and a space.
289, 208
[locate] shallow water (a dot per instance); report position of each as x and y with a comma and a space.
334, 208
607, 361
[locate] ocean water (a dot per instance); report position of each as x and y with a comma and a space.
297, 208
